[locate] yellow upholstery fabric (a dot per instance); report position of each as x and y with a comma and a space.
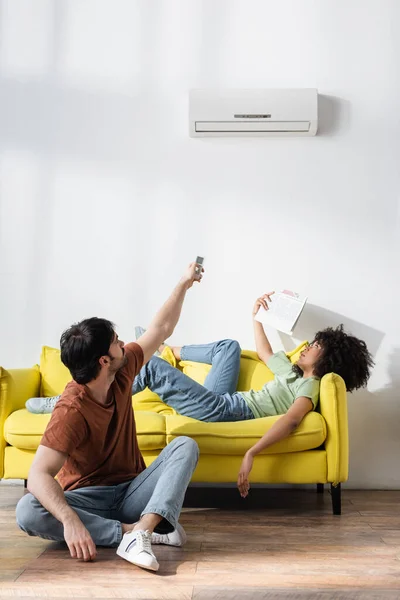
236, 438
301, 467
24, 430
194, 370
294, 355
148, 401
18, 461
253, 374
298, 467
333, 407
16, 386
55, 375
222, 445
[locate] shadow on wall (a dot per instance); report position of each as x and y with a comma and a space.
333, 114
374, 417
314, 318
374, 421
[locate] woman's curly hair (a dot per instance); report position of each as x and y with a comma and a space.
343, 354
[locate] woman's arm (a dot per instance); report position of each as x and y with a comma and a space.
263, 347
279, 431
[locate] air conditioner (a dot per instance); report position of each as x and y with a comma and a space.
267, 112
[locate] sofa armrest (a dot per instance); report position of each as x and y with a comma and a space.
333, 407
16, 387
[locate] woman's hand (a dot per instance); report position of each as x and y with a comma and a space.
243, 477
262, 301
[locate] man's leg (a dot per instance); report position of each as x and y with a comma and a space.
224, 356
188, 397
160, 489
93, 505
155, 498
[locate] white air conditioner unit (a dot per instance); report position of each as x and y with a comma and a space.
253, 112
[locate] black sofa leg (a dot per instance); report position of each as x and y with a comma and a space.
320, 488
25, 483
336, 499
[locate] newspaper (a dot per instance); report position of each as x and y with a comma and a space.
283, 311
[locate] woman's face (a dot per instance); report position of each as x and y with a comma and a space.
309, 356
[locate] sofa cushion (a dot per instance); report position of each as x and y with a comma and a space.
236, 438
149, 401
54, 375
24, 430
253, 373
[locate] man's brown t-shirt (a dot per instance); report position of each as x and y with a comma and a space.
100, 440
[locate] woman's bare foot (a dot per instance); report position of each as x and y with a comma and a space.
176, 350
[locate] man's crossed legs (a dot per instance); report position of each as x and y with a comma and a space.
109, 512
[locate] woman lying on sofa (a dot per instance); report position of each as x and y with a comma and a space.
292, 393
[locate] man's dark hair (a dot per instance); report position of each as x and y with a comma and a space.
83, 344
343, 354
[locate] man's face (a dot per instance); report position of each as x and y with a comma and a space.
309, 356
116, 353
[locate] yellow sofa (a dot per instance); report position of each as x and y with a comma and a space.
317, 452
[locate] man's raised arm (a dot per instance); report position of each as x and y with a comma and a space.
164, 323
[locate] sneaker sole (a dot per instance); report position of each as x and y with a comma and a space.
182, 534
126, 556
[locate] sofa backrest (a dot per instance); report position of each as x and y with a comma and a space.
53, 374
253, 375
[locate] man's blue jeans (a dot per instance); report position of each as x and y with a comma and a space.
160, 489
216, 400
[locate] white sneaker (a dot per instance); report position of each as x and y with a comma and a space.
135, 547
41, 406
177, 537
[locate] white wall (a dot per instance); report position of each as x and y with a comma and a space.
104, 198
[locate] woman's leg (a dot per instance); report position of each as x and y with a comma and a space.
224, 356
188, 397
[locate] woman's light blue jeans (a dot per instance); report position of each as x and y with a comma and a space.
216, 400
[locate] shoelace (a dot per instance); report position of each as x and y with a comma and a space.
160, 537
143, 539
50, 402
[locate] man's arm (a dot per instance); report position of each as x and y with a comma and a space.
164, 323
263, 347
47, 490
279, 431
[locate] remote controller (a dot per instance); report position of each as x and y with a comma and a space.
199, 262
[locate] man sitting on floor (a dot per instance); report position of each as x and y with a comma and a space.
104, 494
